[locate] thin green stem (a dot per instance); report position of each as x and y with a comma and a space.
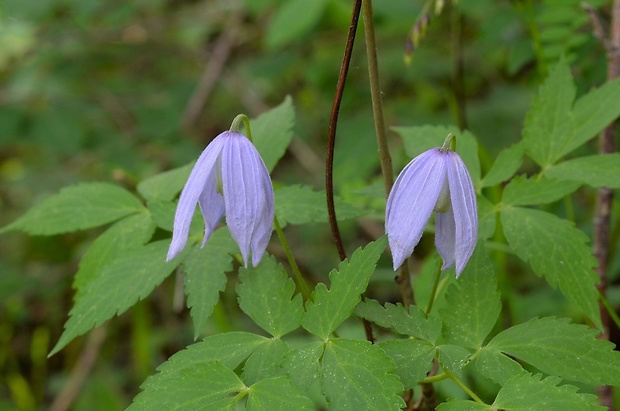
609, 308
435, 378
299, 278
403, 279
436, 278
236, 125
464, 387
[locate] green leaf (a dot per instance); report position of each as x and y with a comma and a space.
303, 366
329, 308
497, 366
601, 170
557, 250
266, 295
129, 232
195, 386
463, 405
549, 123
531, 393
265, 361
531, 191
205, 276
595, 111
419, 139
453, 357
276, 394
472, 303
165, 186
301, 205
414, 324
272, 132
77, 207
293, 20
505, 166
162, 213
556, 347
130, 277
357, 375
487, 218
413, 359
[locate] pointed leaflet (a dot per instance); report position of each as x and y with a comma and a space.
276, 394
199, 376
532, 191
601, 170
413, 359
505, 165
265, 294
165, 186
556, 249
198, 386
556, 347
531, 393
272, 132
129, 232
301, 205
357, 375
595, 111
77, 207
205, 276
329, 308
130, 277
472, 303
414, 324
549, 123
265, 361
496, 366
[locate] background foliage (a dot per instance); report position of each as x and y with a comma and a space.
97, 100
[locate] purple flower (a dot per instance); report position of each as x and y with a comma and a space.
229, 177
435, 180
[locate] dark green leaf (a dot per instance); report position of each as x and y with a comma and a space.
497, 366
129, 232
272, 132
453, 357
357, 375
414, 324
205, 276
463, 405
276, 394
77, 207
593, 112
487, 215
505, 165
303, 366
602, 170
531, 393
199, 385
130, 277
532, 191
557, 250
329, 308
472, 303
557, 347
549, 124
265, 361
266, 295
413, 359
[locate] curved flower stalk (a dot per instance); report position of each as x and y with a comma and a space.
229, 178
435, 180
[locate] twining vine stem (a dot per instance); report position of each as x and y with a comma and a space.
333, 123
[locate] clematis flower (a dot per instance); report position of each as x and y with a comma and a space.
229, 178
435, 180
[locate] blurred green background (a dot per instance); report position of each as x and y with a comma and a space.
121, 90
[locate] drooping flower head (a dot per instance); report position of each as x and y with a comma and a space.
435, 180
229, 178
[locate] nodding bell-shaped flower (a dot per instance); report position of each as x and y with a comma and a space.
229, 178
435, 180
